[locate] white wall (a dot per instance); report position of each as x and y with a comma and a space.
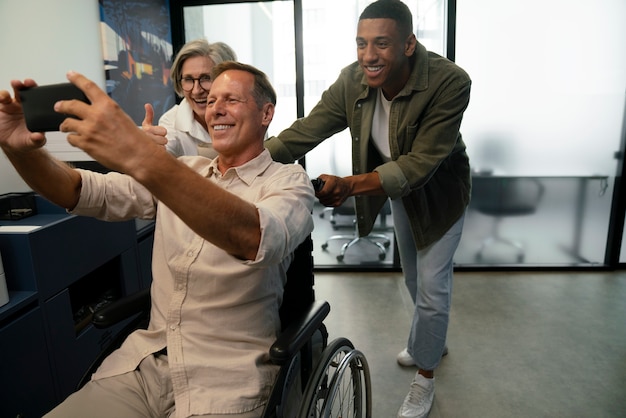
42, 40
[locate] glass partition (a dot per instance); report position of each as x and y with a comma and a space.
547, 102
549, 79
261, 34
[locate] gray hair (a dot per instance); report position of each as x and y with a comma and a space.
217, 51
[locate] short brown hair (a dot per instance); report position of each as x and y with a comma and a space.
263, 91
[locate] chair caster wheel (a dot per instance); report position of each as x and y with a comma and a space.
381, 257
324, 247
340, 257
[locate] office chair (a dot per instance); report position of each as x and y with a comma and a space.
502, 197
316, 378
381, 241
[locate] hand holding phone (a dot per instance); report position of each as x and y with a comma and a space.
38, 105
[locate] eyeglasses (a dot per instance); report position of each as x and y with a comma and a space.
187, 83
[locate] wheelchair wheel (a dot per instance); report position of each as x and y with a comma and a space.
340, 386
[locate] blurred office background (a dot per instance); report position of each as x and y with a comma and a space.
547, 109
543, 129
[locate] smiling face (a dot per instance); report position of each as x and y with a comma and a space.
384, 53
196, 67
236, 123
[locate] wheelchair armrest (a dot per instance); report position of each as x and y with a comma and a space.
122, 309
299, 332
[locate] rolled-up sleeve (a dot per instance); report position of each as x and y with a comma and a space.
113, 197
285, 215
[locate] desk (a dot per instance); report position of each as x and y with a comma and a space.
579, 190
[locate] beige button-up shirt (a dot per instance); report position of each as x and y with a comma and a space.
216, 314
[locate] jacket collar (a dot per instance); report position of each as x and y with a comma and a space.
418, 80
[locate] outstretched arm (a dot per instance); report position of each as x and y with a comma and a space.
111, 137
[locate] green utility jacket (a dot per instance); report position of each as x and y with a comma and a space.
429, 168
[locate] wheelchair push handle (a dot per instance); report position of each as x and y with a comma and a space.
318, 184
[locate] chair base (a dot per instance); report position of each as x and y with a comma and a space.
498, 239
382, 245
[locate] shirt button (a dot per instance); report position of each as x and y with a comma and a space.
181, 286
356, 139
190, 253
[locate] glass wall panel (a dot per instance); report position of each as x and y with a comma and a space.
549, 79
262, 34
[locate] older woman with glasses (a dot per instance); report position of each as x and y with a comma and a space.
187, 132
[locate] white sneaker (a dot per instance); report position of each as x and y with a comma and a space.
419, 400
405, 359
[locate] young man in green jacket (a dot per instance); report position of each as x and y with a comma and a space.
403, 106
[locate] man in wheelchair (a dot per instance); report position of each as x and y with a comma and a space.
224, 234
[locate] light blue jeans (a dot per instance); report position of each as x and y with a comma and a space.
428, 276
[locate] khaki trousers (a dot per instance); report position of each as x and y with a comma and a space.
145, 392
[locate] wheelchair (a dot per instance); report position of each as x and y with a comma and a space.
316, 378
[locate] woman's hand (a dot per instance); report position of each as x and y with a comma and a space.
157, 132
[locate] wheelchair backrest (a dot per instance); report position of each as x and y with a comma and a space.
299, 293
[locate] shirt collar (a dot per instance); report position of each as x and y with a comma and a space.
246, 172
184, 116
186, 122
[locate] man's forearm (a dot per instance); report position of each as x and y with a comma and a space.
47, 176
365, 184
215, 214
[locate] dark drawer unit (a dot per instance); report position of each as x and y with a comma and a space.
27, 381
58, 273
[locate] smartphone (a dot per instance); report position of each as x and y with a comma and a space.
38, 105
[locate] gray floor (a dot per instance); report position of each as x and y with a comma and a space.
521, 344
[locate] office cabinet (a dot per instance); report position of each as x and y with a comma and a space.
27, 381
59, 269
